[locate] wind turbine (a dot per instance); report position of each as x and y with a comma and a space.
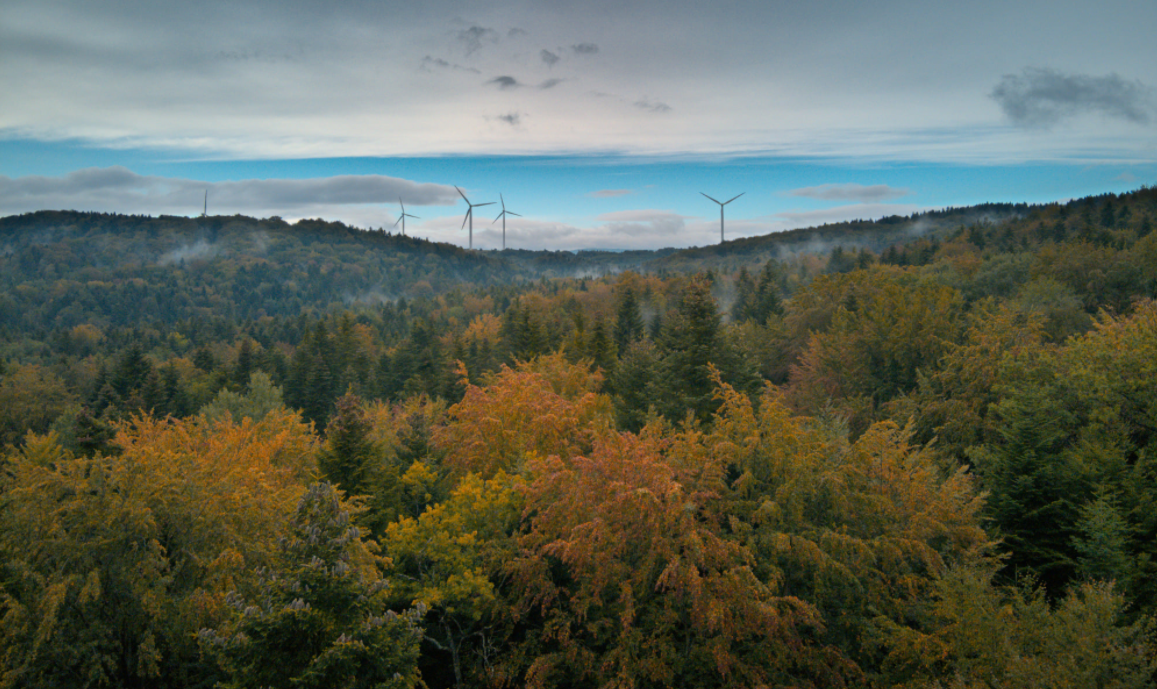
721, 205
470, 214
205, 213
503, 215
402, 218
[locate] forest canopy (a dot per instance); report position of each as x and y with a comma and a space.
314, 456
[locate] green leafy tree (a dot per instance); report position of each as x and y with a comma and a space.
260, 398
31, 398
980, 636
449, 560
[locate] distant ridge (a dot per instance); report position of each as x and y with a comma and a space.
134, 268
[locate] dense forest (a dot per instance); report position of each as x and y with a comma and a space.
916, 452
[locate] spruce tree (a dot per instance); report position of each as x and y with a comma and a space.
690, 344
628, 320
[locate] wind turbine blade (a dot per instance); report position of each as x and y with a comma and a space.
734, 197
711, 199
479, 205
503, 201
512, 213
402, 205
397, 221
466, 217
411, 216
463, 196
499, 216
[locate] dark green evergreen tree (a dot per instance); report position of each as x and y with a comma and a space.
744, 305
690, 345
629, 325
767, 302
635, 384
245, 364
600, 349
348, 450
320, 618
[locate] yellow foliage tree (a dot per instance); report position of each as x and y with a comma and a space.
113, 563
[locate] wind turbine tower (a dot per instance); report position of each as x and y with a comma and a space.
403, 216
721, 205
205, 212
503, 215
470, 214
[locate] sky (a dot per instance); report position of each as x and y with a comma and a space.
602, 124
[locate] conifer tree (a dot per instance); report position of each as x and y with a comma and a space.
348, 450
321, 617
628, 320
690, 344
742, 308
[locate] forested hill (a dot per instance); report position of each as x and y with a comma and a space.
60, 268
855, 235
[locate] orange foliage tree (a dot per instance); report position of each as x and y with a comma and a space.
627, 577
546, 406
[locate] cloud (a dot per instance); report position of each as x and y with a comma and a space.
516, 32
584, 48
429, 62
652, 106
851, 192
473, 38
1043, 97
548, 57
118, 189
252, 55
610, 193
635, 222
513, 119
505, 82
550, 83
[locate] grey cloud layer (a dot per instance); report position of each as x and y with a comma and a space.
1044, 97
306, 78
474, 37
119, 189
851, 192
505, 82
